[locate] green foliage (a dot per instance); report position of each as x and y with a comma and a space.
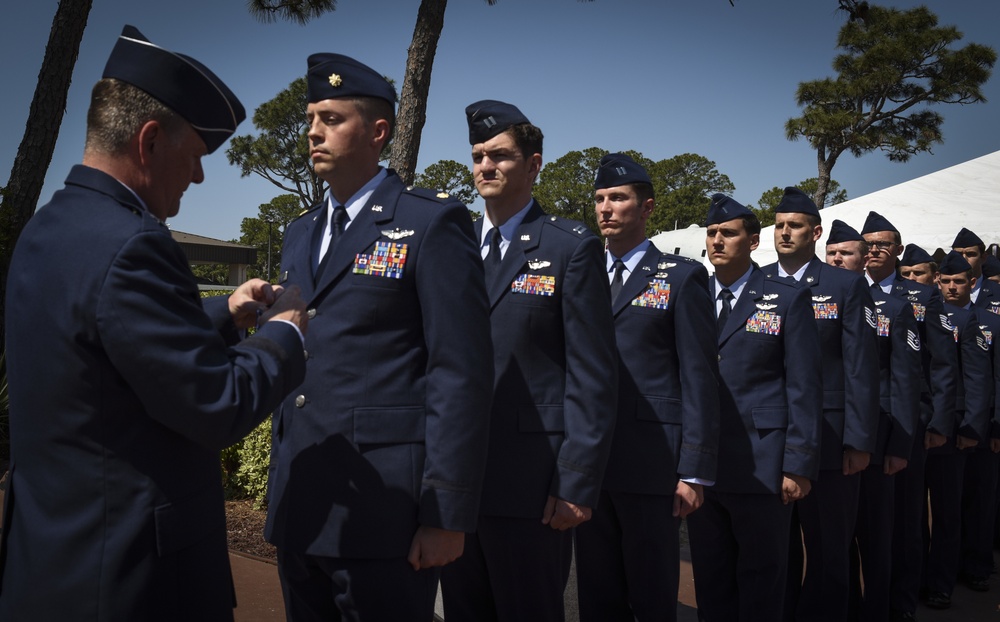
266, 231
280, 153
300, 11
453, 177
894, 63
683, 185
244, 465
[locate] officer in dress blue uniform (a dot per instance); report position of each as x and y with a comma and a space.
377, 461
770, 426
666, 436
985, 293
899, 398
915, 284
555, 384
845, 317
944, 474
123, 386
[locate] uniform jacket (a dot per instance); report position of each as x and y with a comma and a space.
388, 431
769, 378
556, 369
845, 316
973, 388
668, 392
899, 376
989, 296
122, 392
989, 326
938, 354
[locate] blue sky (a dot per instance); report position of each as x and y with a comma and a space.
663, 78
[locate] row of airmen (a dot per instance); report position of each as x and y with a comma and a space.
817, 505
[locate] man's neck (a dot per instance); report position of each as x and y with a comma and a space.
792, 264
881, 275
501, 209
727, 275
343, 188
620, 247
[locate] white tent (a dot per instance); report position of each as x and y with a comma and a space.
928, 211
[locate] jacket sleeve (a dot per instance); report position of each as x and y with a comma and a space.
159, 338
802, 377
698, 354
904, 382
861, 379
977, 377
591, 387
943, 365
459, 372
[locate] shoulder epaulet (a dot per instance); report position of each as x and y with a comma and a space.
678, 258
438, 196
308, 211
573, 226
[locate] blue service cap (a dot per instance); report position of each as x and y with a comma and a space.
724, 209
796, 201
618, 169
877, 222
991, 266
913, 255
840, 231
954, 263
488, 118
966, 238
330, 76
180, 82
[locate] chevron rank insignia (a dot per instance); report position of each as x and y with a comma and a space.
538, 264
397, 234
870, 318
913, 340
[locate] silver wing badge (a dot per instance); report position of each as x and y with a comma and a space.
538, 264
397, 234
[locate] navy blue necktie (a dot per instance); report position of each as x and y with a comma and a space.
491, 264
336, 230
727, 307
616, 281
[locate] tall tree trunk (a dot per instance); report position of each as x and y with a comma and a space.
824, 170
416, 85
41, 131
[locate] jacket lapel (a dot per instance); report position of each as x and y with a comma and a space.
753, 291
638, 281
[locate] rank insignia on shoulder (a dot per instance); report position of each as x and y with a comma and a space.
525, 237
282, 277
397, 234
765, 307
442, 195
770, 296
377, 208
579, 229
821, 298
538, 264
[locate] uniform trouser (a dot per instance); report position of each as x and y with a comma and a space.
978, 504
328, 589
827, 515
739, 555
628, 559
944, 475
871, 568
909, 523
512, 569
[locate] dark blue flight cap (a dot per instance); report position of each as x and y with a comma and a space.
724, 209
330, 76
180, 82
966, 238
877, 222
954, 263
618, 169
488, 118
913, 255
840, 231
796, 201
991, 266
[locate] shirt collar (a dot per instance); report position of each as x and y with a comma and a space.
507, 229
358, 200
